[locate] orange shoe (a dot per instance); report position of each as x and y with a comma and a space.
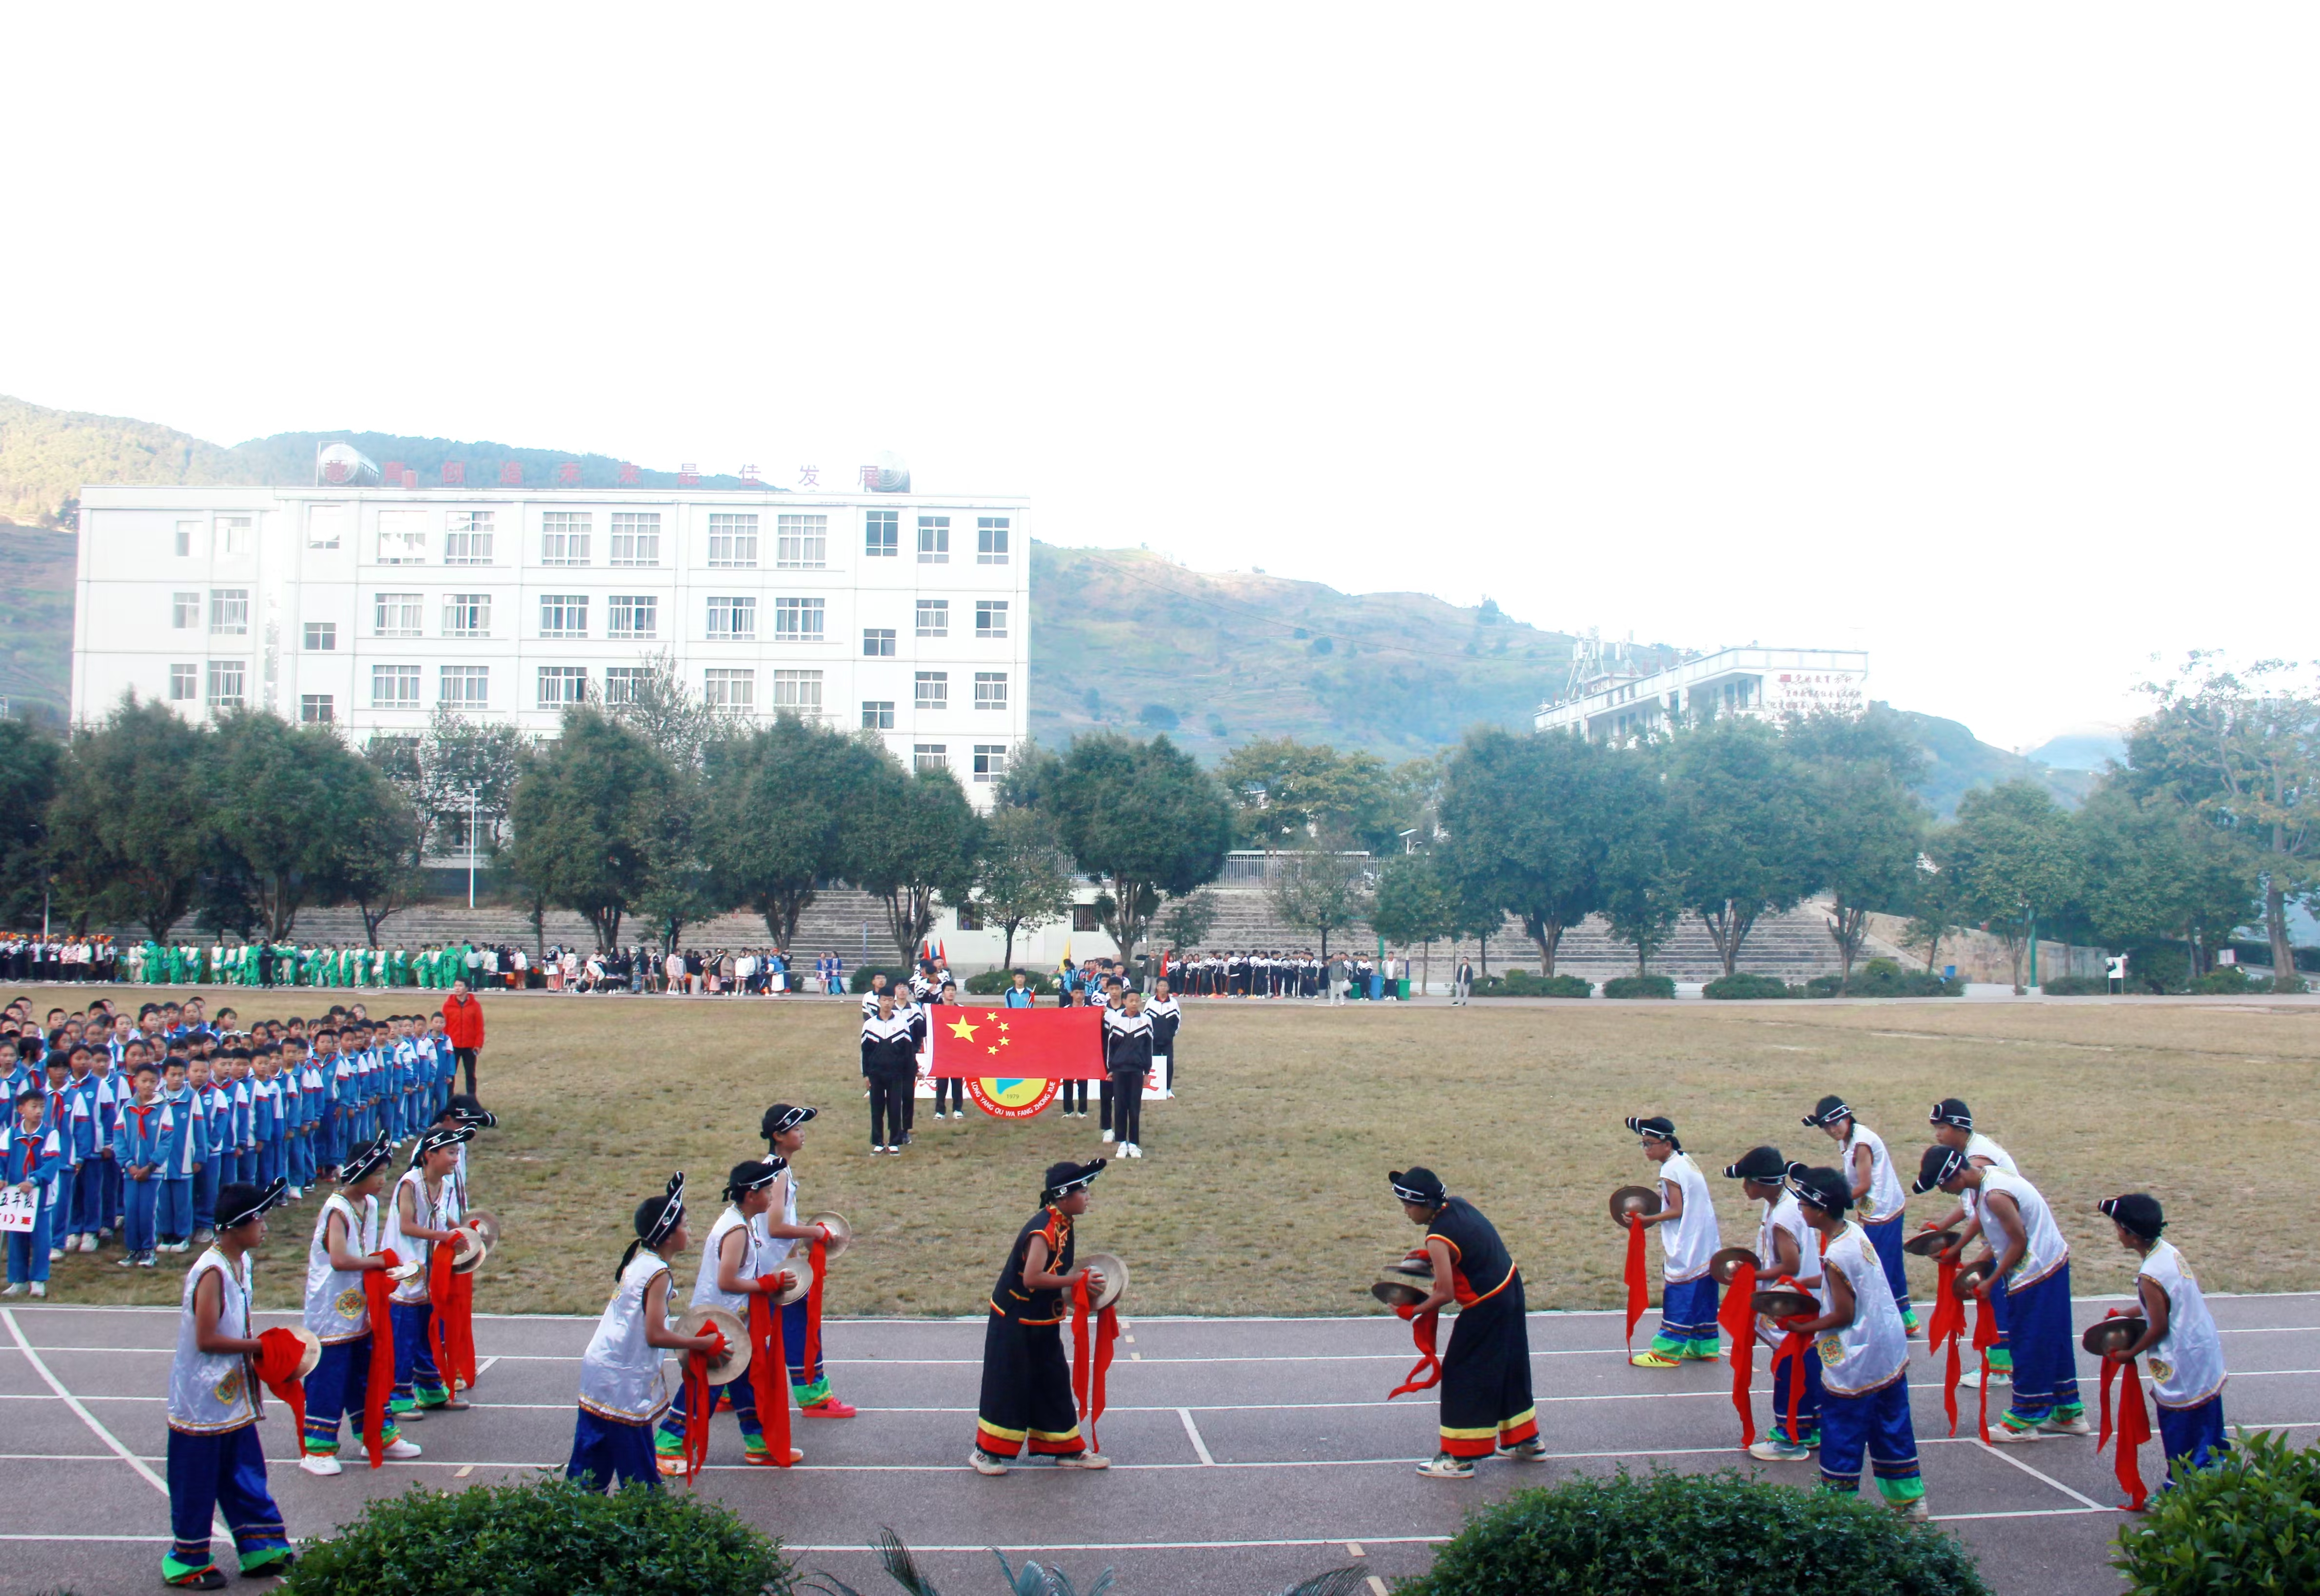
829, 1407
763, 1458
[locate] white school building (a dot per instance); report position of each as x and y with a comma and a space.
1618, 704
366, 607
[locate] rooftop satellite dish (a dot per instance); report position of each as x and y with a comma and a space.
341, 464
891, 474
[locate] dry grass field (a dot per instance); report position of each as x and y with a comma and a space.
1263, 1190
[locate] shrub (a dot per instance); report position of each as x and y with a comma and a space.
2225, 980
2252, 1522
2077, 986
1640, 986
860, 981
549, 1535
1884, 977
1524, 984
993, 981
1694, 1535
2158, 966
1745, 985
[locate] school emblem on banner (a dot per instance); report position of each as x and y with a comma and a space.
1011, 1097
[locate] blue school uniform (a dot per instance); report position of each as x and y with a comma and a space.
217, 1119
85, 1147
184, 1128
62, 1172
140, 1147
112, 1094
265, 1127
30, 1156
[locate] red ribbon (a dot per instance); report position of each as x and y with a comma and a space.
769, 1367
1089, 1366
1737, 1315
451, 1326
2133, 1427
1426, 1371
279, 1352
700, 1402
378, 1295
1791, 1350
1639, 1290
818, 1253
1947, 1325
1985, 1337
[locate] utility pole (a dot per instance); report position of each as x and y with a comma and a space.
471, 848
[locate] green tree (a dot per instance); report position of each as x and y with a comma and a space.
1414, 903
582, 816
129, 833
1739, 828
378, 869
1285, 793
1025, 878
1033, 776
912, 839
459, 770
2014, 855
1530, 819
1643, 886
1184, 920
31, 767
293, 801
1865, 829
772, 818
1319, 891
1143, 817
2156, 870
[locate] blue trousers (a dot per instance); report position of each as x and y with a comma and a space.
1885, 1235
1877, 1423
808, 1384
415, 1375
206, 1183
221, 1473
336, 1392
740, 1393
28, 1250
173, 1210
144, 1197
269, 1161
115, 1214
608, 1454
1808, 1404
90, 1213
2194, 1436
1687, 1317
2046, 1353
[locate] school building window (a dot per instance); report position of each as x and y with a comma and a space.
800, 542
934, 618
401, 537
797, 619
798, 691
636, 538
395, 686
1083, 918
463, 686
733, 541
187, 530
225, 683
564, 537
991, 540
968, 919
878, 714
185, 683
564, 614
732, 618
321, 636
878, 642
230, 611
990, 761
394, 614
468, 538
316, 708
991, 618
929, 756
466, 614
624, 684
990, 690
881, 537
325, 523
632, 615
730, 692
185, 611
934, 539
234, 534
933, 690
560, 685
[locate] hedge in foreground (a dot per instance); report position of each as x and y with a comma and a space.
1745, 985
1694, 1535
1640, 986
550, 1538
2251, 1523
1884, 977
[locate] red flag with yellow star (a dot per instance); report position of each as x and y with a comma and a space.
976, 1042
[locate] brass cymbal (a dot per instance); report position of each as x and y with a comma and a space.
799, 1267
841, 1234
1931, 1244
1781, 1303
1627, 1200
485, 1223
1114, 1270
1724, 1268
1972, 1278
473, 1248
2112, 1335
736, 1361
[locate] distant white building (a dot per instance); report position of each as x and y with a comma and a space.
1770, 683
906, 614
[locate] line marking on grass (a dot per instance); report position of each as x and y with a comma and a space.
1200, 1446
2037, 1474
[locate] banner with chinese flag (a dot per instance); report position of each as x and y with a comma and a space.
977, 1043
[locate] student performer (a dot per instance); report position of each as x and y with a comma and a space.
1486, 1403
1876, 1192
1786, 1247
345, 1248
2180, 1335
1027, 1380
784, 1127
1952, 1126
732, 1263
1689, 1237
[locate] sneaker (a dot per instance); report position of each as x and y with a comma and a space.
1106, 1137
1914, 1512
322, 1465
125, 1261
1652, 1360
1531, 1451
1972, 1378
1082, 1460
982, 1463
829, 1407
2076, 1425
763, 1457
146, 1260
14, 1288
399, 1449
1445, 1467
1131, 1150
72, 1245
2005, 1435
670, 1467
1773, 1449
875, 1151
41, 1289
56, 1255
212, 1578
205, 1237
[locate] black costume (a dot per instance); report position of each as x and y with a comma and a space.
1486, 1401
1027, 1380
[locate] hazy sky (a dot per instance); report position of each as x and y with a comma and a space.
1980, 337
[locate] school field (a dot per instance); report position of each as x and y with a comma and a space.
1263, 1188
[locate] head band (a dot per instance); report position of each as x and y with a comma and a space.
1063, 1179
1949, 1110
754, 1176
1938, 1166
2138, 1211
1829, 1111
261, 1199
448, 1136
1658, 1128
672, 1213
1758, 1164
1803, 1181
783, 1117
368, 1160
1418, 1185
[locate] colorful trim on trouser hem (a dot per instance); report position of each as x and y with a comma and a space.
1041, 1443
1688, 1319
2046, 1353
1469, 1444
1876, 1423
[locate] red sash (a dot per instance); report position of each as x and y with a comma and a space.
1946, 1325
769, 1367
279, 1350
2133, 1428
1639, 1290
452, 1324
1088, 1368
1738, 1319
700, 1404
378, 1295
1985, 1337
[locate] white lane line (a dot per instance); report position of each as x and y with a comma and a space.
487, 1363
2036, 1474
2027, 1513
1158, 1545
145, 1470
1193, 1434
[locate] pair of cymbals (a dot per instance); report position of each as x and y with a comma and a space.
1632, 1199
1724, 1268
2115, 1334
311, 1357
1779, 1302
841, 1234
485, 1223
799, 1267
1933, 1244
473, 1249
1974, 1277
694, 1322
1114, 1271
1406, 1283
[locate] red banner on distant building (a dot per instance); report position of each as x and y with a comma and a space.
978, 1043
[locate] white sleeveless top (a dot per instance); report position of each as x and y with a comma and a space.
1977, 1146
2044, 1251
1689, 1241
209, 1393
1872, 1351
409, 1248
619, 1374
337, 1310
1886, 1200
705, 1289
774, 1250
1785, 1215
2186, 1364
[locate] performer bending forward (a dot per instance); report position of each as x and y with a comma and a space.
1026, 1380
1486, 1401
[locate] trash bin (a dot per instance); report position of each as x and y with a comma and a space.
1401, 987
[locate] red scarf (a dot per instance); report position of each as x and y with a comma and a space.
452, 1324
817, 1253
1088, 1369
2133, 1428
378, 1295
1737, 1315
700, 1404
280, 1350
1946, 1325
769, 1367
1985, 1337
1639, 1290
1426, 1371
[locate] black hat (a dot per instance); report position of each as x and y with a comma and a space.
672, 1212
1938, 1166
367, 1159
2138, 1211
1658, 1127
1828, 1110
1758, 1164
783, 1117
753, 1174
1420, 1185
468, 1111
1825, 1188
238, 1204
1067, 1176
1951, 1111
437, 1139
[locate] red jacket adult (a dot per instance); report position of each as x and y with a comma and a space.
463, 1021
